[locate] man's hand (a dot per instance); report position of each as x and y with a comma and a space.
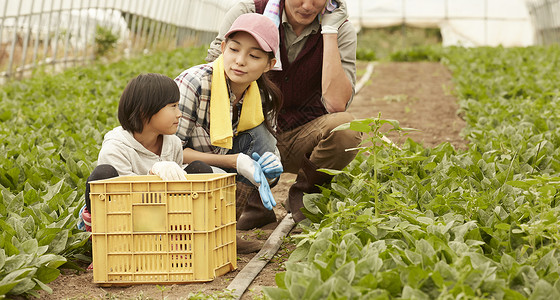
331, 21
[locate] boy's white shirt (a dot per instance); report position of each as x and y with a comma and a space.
121, 150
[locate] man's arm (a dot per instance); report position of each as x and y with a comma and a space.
339, 73
241, 7
339, 61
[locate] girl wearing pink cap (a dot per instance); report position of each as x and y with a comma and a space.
229, 109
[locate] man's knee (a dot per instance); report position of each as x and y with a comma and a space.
336, 119
344, 138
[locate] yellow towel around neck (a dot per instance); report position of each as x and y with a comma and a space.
221, 132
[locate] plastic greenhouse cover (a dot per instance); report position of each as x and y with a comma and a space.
462, 22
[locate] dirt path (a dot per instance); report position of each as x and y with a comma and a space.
416, 94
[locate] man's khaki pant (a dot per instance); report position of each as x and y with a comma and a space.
328, 149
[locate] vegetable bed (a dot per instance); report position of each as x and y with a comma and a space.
437, 223
51, 129
419, 222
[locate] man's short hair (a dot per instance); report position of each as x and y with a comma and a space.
143, 97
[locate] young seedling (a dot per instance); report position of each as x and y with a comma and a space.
162, 289
373, 140
259, 234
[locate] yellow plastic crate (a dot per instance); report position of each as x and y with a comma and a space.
146, 230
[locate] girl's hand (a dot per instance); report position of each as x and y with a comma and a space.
250, 169
168, 170
270, 164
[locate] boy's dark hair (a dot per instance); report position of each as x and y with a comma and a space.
143, 97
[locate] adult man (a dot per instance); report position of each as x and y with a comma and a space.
317, 82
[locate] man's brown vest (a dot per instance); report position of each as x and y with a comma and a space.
299, 81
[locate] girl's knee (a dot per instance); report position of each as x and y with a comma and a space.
197, 167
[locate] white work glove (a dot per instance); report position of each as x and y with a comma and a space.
168, 170
251, 170
331, 21
270, 164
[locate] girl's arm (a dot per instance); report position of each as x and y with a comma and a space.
218, 160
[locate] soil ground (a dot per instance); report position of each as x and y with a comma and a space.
415, 94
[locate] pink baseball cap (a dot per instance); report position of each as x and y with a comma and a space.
260, 27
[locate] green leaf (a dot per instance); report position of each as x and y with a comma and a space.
7, 244
29, 246
17, 275
7, 228
15, 204
344, 126
7, 286
331, 171
502, 226
59, 243
52, 191
279, 278
25, 285
299, 254
520, 184
47, 274
2, 258
411, 293
513, 295
276, 293
544, 290
415, 258
46, 235
360, 127
391, 282
51, 260
346, 272
43, 286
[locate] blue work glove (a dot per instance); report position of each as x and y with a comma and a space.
270, 164
251, 170
264, 190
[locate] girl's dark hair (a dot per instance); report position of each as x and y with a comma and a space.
143, 97
273, 104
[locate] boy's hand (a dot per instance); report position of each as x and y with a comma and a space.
168, 170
